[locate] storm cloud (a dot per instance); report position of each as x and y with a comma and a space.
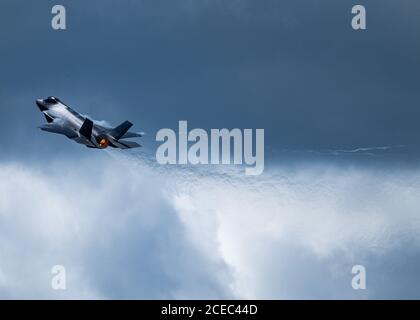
124, 229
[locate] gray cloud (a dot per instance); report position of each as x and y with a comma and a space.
109, 225
125, 229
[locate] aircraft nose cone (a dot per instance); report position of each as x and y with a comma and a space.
41, 105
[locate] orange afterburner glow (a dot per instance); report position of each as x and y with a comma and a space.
103, 143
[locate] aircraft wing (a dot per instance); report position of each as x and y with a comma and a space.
58, 126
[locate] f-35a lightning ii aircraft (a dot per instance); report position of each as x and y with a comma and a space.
63, 120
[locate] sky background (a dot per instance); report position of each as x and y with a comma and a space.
125, 227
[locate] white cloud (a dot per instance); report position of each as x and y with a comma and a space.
127, 229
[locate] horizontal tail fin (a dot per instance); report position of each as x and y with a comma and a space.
122, 144
129, 134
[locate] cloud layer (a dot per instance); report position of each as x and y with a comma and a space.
124, 228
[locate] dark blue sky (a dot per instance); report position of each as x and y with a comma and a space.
295, 68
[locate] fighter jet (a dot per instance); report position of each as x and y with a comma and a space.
63, 120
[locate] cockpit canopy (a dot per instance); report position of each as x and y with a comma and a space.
52, 100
